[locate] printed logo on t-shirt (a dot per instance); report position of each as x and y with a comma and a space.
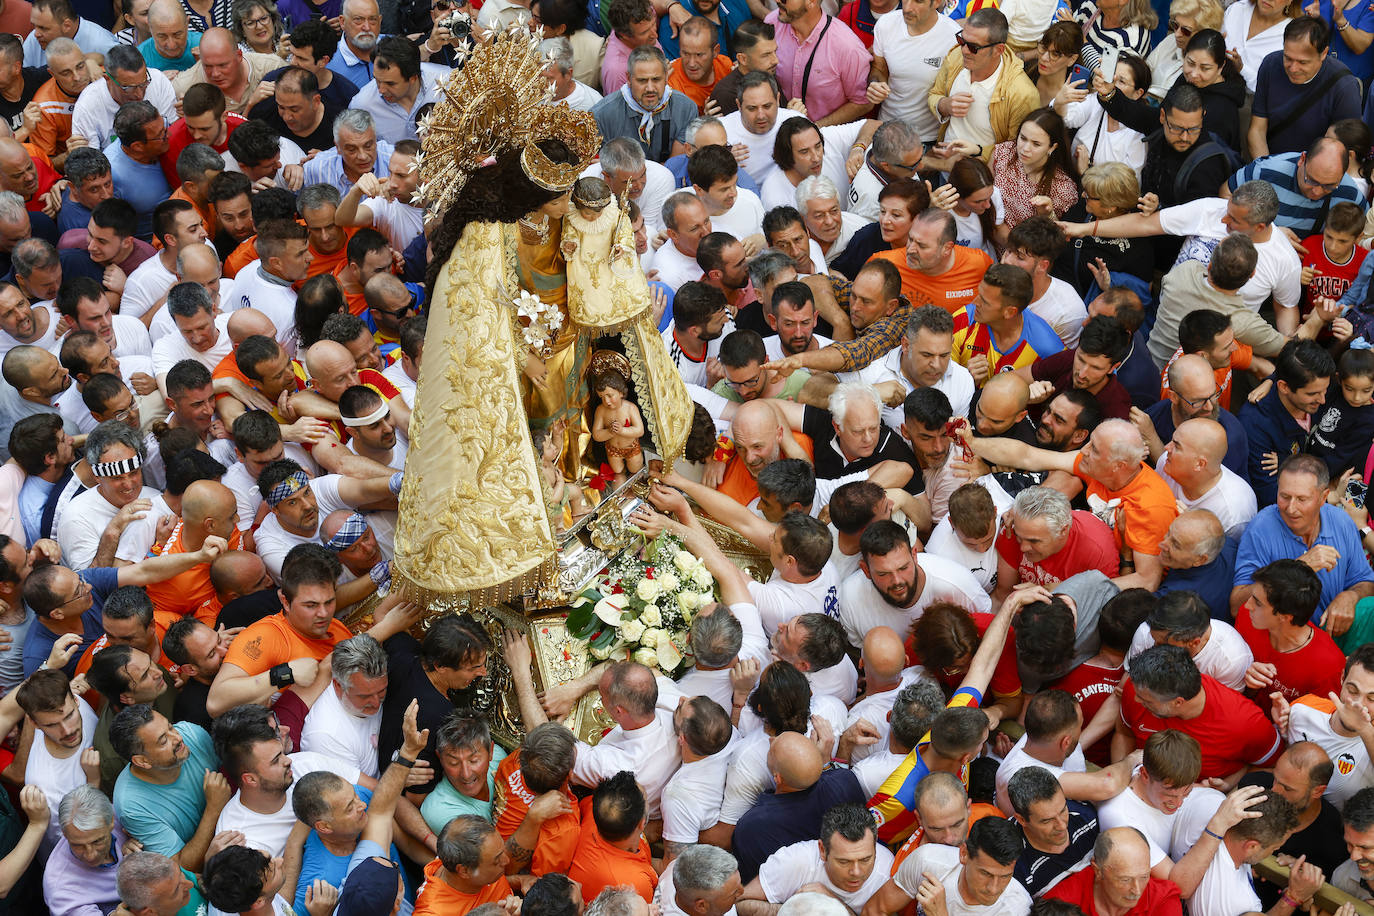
1345, 764
254, 648
831, 605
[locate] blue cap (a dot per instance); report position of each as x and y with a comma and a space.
370, 889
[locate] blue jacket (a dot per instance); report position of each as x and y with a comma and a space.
1271, 428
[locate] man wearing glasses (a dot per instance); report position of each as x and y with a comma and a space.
1307, 183
141, 139
1192, 394
127, 79
390, 304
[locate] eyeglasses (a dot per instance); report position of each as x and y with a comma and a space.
126, 413
747, 383
258, 22
82, 590
1308, 180
411, 306
971, 47
135, 87
1182, 131
1176, 26
1200, 402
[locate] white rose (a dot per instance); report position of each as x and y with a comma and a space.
702, 578
651, 617
648, 589
683, 560
669, 581
653, 637
646, 657
632, 631
688, 602
604, 652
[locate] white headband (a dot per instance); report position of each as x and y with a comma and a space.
368, 419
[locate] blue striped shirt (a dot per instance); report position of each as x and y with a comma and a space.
1296, 211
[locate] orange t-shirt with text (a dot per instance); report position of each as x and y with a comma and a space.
1139, 514
598, 865
953, 290
436, 898
273, 641
557, 837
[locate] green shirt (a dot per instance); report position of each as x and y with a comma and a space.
789, 392
445, 802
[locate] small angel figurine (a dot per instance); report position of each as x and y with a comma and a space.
618, 423
565, 496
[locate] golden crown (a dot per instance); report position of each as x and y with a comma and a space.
498, 102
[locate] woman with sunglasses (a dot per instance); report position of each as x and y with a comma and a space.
258, 26
1058, 51
1186, 19
1253, 30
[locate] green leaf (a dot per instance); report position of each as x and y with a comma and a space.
582, 622
604, 638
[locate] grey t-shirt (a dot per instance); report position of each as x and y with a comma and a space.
1089, 591
13, 408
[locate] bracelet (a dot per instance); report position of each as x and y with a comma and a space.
1211, 833
1292, 901
858, 146
394, 484
1342, 28
1095, 222
428, 837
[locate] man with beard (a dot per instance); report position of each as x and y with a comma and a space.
1068, 420
757, 433
1193, 394
896, 583
646, 70
298, 110
231, 196
792, 315
700, 316
22, 324
742, 356
722, 261
923, 361
34, 378
926, 415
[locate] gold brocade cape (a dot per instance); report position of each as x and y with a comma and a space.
473, 522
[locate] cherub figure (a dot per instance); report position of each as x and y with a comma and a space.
567, 498
618, 423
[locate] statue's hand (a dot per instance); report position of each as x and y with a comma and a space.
536, 371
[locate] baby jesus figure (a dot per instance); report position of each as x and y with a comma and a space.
618, 423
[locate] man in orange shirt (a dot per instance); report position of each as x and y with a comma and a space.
128, 620
612, 849
194, 172
208, 508
758, 435
57, 97
700, 66
316, 205
945, 813
935, 271
534, 810
452, 887
283, 651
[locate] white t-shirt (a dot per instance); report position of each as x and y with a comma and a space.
742, 220
943, 863
873, 770
94, 112
245, 486
840, 681
693, 371
268, 832
760, 163
976, 126
945, 543
1018, 759
748, 774
658, 185
875, 708
1311, 721
785, 872
58, 776
650, 752
912, 63
163, 325
291, 154
275, 300
1278, 270
716, 684
1130, 810
665, 895
46, 341
779, 191
862, 607
582, 97
149, 282
396, 375
274, 542
334, 732
779, 600
1235, 26
970, 228
1226, 888
1231, 499
1064, 311
171, 349
956, 383
78, 533
1225, 657
675, 268
1122, 145
399, 222
692, 797
130, 337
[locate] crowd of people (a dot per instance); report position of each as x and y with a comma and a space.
1032, 344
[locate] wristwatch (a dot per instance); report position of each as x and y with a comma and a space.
281, 675
397, 758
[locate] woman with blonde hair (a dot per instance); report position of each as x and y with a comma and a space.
1121, 24
1109, 189
1254, 29
1186, 19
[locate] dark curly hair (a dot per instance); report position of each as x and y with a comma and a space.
500, 192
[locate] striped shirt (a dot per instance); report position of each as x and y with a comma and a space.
1296, 211
54, 125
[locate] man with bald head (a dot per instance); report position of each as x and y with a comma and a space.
55, 98
1121, 489
1192, 465
803, 791
757, 432
999, 409
1193, 393
389, 304
1300, 777
20, 173
885, 673
34, 378
245, 591
1199, 557
1119, 882
233, 71
349, 534
208, 508
169, 48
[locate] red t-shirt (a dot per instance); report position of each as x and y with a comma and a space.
47, 177
1331, 279
1160, 898
1091, 685
1090, 546
1315, 668
179, 137
1232, 730
1006, 679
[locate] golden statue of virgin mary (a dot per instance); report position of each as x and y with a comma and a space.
518, 290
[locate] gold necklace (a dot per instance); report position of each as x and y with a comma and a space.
532, 233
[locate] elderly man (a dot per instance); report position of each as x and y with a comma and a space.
850, 436
169, 49
624, 167
52, 19
1301, 518
1193, 468
1119, 882
401, 85
127, 79
154, 885
830, 227
663, 134
235, 72
1307, 183
1297, 95
56, 98
703, 880
34, 378
31, 179
1192, 394
80, 872
1198, 557
362, 23
1047, 541
1181, 619
894, 153
1126, 493
357, 152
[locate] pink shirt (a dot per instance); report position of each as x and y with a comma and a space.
613, 64
839, 73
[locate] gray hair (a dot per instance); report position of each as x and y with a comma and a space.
621, 154
847, 393
915, 709
1047, 503
360, 654
12, 207
314, 196
558, 52
123, 57
992, 19
892, 140
702, 869
138, 872
460, 842
815, 187
355, 121
675, 202
1260, 200
85, 807
645, 53
111, 433
614, 901
690, 135
62, 46
767, 264
33, 254
716, 637
811, 903
930, 318
186, 300
1125, 440
197, 159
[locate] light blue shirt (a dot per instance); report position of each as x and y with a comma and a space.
90, 37
1268, 538
156, 61
164, 818
346, 63
144, 186
328, 168
394, 123
33, 496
